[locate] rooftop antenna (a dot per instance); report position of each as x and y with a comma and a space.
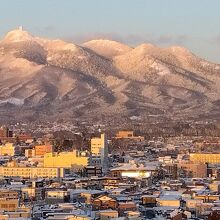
20, 28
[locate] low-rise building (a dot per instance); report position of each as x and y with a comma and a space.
132, 170
205, 158
32, 172
57, 196
104, 202
128, 135
73, 159
193, 169
40, 150
8, 200
8, 149
124, 207
107, 214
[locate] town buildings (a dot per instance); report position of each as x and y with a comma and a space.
150, 180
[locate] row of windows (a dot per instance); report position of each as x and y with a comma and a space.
29, 169
28, 173
3, 206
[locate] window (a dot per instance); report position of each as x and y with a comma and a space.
4, 206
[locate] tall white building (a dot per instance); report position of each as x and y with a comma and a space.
99, 148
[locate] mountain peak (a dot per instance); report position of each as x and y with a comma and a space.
146, 48
108, 48
179, 50
17, 35
106, 42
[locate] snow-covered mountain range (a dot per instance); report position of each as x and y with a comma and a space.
42, 78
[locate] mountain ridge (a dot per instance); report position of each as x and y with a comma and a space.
103, 77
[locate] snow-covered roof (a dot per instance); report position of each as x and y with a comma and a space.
134, 167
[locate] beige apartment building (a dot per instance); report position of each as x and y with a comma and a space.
32, 172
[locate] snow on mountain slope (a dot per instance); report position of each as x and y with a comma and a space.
77, 58
102, 77
107, 48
